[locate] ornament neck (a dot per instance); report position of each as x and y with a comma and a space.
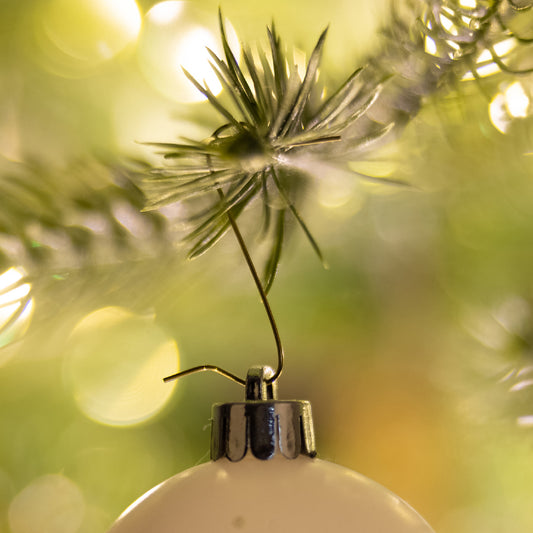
262, 425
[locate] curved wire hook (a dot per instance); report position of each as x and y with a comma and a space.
266, 305
206, 368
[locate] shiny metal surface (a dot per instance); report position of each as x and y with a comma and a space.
262, 425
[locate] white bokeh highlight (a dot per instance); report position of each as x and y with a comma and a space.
176, 36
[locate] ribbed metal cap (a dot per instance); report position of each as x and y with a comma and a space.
262, 425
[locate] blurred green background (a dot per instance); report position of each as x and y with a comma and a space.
414, 347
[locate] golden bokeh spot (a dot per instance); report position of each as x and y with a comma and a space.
509, 104
338, 190
16, 306
49, 504
517, 100
115, 363
75, 37
175, 35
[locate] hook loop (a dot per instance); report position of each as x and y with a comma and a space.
259, 384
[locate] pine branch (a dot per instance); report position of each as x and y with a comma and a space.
88, 213
275, 122
279, 124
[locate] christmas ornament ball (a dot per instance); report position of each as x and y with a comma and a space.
264, 477
283, 495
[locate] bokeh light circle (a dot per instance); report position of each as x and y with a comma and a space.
49, 504
76, 37
141, 115
508, 105
175, 34
115, 363
16, 307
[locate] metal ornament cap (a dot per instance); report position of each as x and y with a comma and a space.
302, 494
262, 425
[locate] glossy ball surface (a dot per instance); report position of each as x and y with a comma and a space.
279, 495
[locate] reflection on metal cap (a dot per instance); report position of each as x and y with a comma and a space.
262, 424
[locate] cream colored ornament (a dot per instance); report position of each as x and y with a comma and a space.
264, 478
280, 495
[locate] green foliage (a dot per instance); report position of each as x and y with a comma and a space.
280, 126
273, 122
426, 307
64, 218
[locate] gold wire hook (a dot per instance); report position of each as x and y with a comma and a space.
266, 305
206, 368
